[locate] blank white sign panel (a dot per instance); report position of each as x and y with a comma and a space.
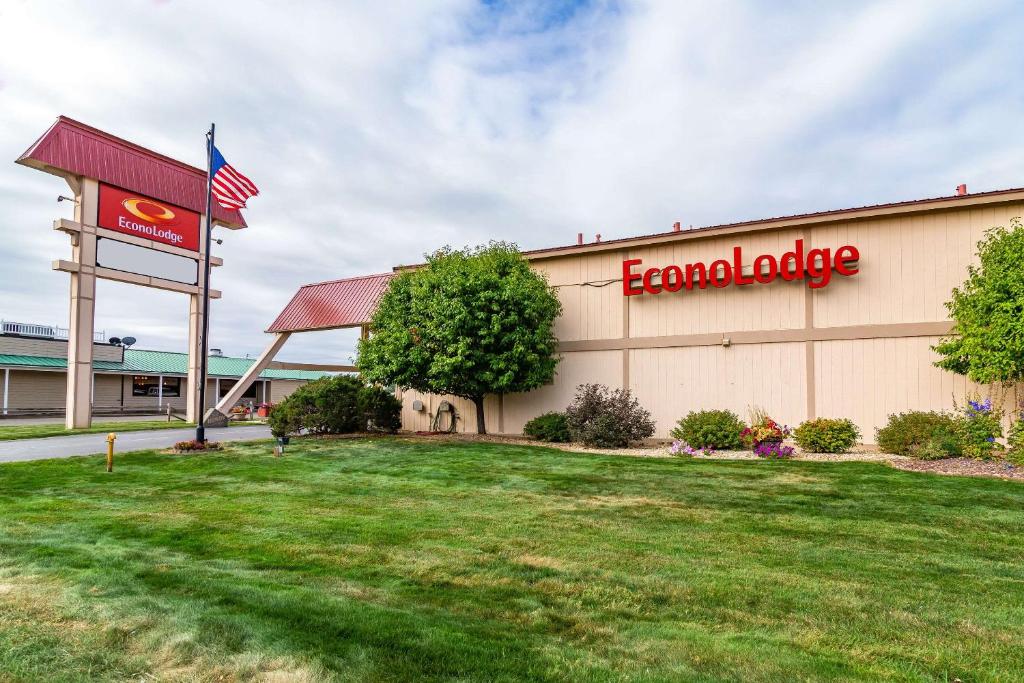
142, 261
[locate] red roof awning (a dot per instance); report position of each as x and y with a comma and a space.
333, 305
73, 148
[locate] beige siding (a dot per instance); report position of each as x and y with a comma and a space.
53, 348
35, 390
413, 420
282, 388
582, 367
672, 382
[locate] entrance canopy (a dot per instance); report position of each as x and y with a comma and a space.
332, 305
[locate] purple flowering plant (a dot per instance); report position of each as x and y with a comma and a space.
773, 450
679, 447
978, 427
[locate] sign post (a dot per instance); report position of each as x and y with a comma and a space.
137, 220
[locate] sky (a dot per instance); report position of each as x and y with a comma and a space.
379, 131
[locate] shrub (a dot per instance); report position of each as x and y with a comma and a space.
600, 417
193, 445
907, 432
825, 435
286, 417
380, 410
336, 405
1015, 440
710, 429
938, 447
978, 428
551, 427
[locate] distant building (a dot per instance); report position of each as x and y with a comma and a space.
33, 369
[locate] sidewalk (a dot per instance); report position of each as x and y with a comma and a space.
87, 444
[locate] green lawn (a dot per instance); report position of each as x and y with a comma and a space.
381, 560
35, 431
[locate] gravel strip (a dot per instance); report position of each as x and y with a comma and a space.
861, 453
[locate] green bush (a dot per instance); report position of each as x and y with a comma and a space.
604, 418
979, 426
825, 435
551, 427
907, 432
1015, 441
380, 409
938, 447
336, 405
719, 429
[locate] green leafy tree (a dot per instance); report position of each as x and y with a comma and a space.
471, 322
987, 340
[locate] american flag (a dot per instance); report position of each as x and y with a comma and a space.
231, 189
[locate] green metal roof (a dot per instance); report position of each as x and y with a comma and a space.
140, 361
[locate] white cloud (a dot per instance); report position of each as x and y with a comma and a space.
379, 131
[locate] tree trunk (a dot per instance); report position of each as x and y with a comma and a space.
478, 401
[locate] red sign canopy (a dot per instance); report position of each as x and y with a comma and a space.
70, 148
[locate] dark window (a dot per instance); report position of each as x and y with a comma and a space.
149, 385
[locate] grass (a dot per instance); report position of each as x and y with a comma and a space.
36, 431
381, 560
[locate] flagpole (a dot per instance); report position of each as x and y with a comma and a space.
204, 346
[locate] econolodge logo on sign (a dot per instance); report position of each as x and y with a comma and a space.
138, 215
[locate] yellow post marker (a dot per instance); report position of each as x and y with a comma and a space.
110, 451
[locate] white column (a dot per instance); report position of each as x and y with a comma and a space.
216, 393
7, 383
160, 392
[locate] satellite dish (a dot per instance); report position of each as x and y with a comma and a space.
116, 341
128, 341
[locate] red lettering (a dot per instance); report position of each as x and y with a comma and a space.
721, 273
672, 279
628, 277
648, 285
737, 267
797, 257
824, 272
773, 268
702, 273
844, 256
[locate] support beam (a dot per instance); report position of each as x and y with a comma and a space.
160, 392
7, 384
78, 407
219, 414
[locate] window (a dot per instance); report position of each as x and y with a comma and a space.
149, 385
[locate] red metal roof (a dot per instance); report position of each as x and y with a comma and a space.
334, 304
72, 147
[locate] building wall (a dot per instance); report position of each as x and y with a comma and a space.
45, 390
859, 347
54, 348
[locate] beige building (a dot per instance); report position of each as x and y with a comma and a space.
858, 346
33, 374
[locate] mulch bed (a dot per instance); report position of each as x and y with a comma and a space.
965, 467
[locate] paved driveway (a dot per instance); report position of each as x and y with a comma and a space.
87, 444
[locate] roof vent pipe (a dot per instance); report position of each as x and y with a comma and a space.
579, 238
961, 190
598, 238
676, 227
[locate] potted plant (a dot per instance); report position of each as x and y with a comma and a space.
264, 409
764, 436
